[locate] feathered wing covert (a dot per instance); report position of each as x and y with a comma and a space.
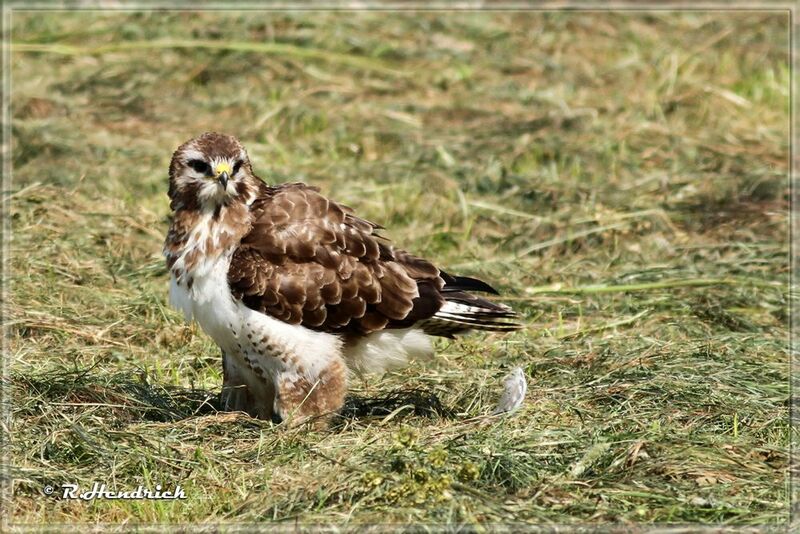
308, 260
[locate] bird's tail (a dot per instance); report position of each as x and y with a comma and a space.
464, 311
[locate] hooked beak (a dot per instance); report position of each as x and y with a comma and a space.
222, 171
223, 179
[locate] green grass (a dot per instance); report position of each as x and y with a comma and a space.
620, 177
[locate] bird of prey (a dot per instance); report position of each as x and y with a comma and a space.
296, 289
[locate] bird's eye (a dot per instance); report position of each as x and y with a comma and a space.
236, 167
200, 166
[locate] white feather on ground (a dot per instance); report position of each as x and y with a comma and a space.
514, 388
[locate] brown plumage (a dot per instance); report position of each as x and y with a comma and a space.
297, 258
307, 260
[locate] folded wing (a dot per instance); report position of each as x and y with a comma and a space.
308, 260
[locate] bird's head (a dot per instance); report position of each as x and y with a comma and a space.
209, 171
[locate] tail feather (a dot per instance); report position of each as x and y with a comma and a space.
465, 283
464, 311
459, 315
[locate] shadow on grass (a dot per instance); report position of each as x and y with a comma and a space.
129, 398
124, 395
417, 402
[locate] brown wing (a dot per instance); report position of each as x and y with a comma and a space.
308, 260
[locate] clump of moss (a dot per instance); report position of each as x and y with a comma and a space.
412, 474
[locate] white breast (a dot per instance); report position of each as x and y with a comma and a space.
239, 330
210, 303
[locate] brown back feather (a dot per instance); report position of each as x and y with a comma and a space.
308, 260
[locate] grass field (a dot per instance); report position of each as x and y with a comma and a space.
620, 177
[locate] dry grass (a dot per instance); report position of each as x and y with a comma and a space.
620, 177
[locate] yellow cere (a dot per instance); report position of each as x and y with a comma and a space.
222, 167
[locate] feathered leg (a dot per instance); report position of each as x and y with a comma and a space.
234, 394
301, 397
244, 390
